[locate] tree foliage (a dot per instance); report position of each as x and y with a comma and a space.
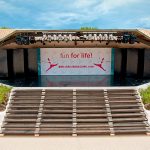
88, 28
4, 28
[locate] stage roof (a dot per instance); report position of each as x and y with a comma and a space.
7, 38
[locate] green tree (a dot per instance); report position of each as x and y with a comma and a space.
4, 27
88, 28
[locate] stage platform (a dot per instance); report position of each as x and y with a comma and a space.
74, 81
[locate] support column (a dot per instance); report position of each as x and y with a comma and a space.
140, 68
26, 62
10, 63
123, 62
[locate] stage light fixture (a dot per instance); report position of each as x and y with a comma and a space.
19, 40
70, 37
111, 37
95, 37
38, 38
126, 38
132, 39
32, 40
100, 37
105, 37
90, 37
85, 37
45, 37
55, 37
49, 37
60, 37
25, 40
119, 39
65, 38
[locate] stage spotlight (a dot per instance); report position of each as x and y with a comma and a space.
95, 37
132, 39
119, 39
25, 40
38, 38
70, 37
85, 37
82, 37
90, 37
126, 38
65, 38
105, 37
32, 40
55, 37
19, 40
45, 37
60, 37
49, 37
100, 37
111, 37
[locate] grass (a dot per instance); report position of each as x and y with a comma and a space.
4, 91
146, 95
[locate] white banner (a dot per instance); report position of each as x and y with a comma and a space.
75, 61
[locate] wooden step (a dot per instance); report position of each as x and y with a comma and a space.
92, 125
132, 115
16, 132
19, 125
75, 112
125, 110
131, 124
128, 119
93, 132
117, 132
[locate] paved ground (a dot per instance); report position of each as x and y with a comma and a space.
76, 143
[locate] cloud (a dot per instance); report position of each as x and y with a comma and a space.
82, 12
6, 7
78, 4
58, 19
143, 22
10, 9
54, 14
108, 5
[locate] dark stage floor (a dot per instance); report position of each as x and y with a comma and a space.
74, 81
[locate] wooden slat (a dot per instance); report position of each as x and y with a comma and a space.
55, 112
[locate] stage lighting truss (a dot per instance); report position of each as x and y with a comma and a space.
76, 36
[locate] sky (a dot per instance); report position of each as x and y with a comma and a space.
73, 14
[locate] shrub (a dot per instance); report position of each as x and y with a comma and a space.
145, 94
4, 92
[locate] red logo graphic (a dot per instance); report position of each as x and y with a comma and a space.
100, 65
50, 65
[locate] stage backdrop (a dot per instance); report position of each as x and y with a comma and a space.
75, 61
